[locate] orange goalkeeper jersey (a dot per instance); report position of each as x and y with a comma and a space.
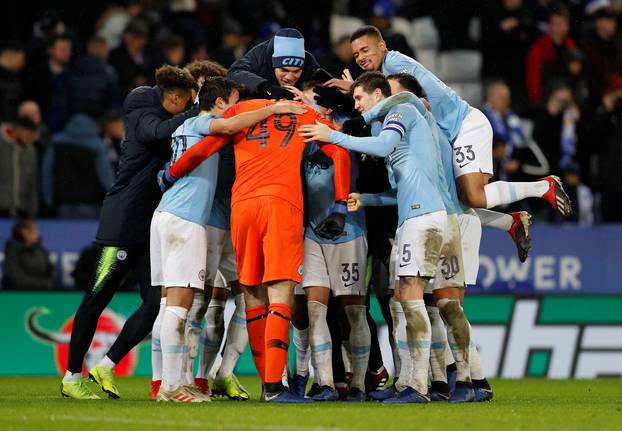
268, 156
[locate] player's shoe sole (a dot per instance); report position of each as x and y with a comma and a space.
77, 390
520, 233
557, 197
104, 377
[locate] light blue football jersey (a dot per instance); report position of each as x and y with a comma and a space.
320, 191
446, 168
407, 143
191, 197
448, 108
221, 209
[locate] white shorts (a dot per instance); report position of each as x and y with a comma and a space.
450, 270
341, 267
473, 146
419, 242
177, 251
220, 258
471, 232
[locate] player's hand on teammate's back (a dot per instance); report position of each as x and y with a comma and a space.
299, 95
315, 132
275, 92
332, 226
165, 179
289, 108
354, 202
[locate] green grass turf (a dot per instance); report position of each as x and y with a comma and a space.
34, 403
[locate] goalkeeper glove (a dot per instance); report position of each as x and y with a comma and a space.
165, 179
332, 226
269, 91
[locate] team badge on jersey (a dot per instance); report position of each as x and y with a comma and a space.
121, 255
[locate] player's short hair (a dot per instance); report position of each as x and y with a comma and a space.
205, 69
366, 30
308, 85
213, 88
409, 82
170, 78
370, 81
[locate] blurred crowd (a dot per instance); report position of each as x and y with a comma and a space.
551, 79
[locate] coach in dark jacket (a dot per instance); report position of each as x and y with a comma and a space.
151, 116
269, 66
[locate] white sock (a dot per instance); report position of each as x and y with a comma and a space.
172, 334
439, 345
156, 348
301, 342
321, 343
494, 219
72, 377
193, 332
403, 367
419, 335
503, 192
237, 338
449, 357
360, 343
106, 362
211, 336
474, 362
458, 335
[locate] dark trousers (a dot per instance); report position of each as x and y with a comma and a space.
113, 264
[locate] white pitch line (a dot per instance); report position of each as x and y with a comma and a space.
178, 424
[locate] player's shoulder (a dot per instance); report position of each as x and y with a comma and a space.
404, 112
250, 105
397, 60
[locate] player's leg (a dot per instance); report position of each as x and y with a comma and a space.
473, 167
419, 245
300, 323
112, 265
319, 334
213, 331
439, 390
377, 375
471, 234
516, 224
193, 332
156, 348
347, 269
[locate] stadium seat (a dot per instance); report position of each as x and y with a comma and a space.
342, 25
460, 66
402, 26
423, 34
469, 91
429, 58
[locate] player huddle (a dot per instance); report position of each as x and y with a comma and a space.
260, 199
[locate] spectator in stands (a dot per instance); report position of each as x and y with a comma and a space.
507, 27
77, 155
453, 19
30, 109
47, 84
606, 134
506, 129
340, 58
556, 128
575, 78
93, 83
580, 195
174, 51
603, 51
12, 61
19, 194
545, 60
132, 59
27, 264
381, 14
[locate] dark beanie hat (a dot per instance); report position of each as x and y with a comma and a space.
289, 48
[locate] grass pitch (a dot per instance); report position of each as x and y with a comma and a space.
34, 403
